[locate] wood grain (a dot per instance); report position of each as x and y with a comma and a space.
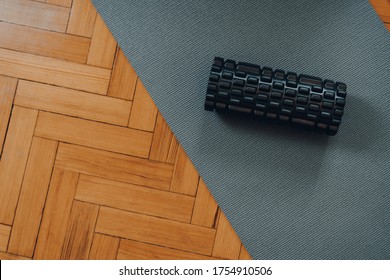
84, 135
5, 256
104, 247
80, 230
123, 79
227, 244
155, 230
34, 14
64, 3
14, 159
4, 237
144, 112
45, 43
54, 71
56, 214
92, 134
68, 74
72, 102
133, 250
164, 145
82, 18
32, 197
7, 92
382, 7
185, 178
135, 198
115, 166
103, 46
205, 209
244, 255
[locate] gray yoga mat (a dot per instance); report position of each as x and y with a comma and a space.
288, 194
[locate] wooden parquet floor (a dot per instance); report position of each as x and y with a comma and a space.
89, 168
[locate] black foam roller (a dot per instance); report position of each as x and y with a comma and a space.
298, 100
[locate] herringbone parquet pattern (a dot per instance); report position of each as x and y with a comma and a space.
89, 168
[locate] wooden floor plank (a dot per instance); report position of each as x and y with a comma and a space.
92, 134
104, 247
385, 19
227, 244
115, 166
32, 197
34, 14
103, 45
135, 198
82, 18
64, 3
205, 209
123, 79
144, 112
133, 250
43, 42
164, 145
244, 255
149, 197
54, 71
80, 230
7, 92
56, 214
4, 237
185, 178
387, 26
382, 7
5, 256
14, 159
154, 230
72, 102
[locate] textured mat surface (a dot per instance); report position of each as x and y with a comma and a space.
289, 195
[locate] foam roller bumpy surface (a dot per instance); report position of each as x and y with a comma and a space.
297, 100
